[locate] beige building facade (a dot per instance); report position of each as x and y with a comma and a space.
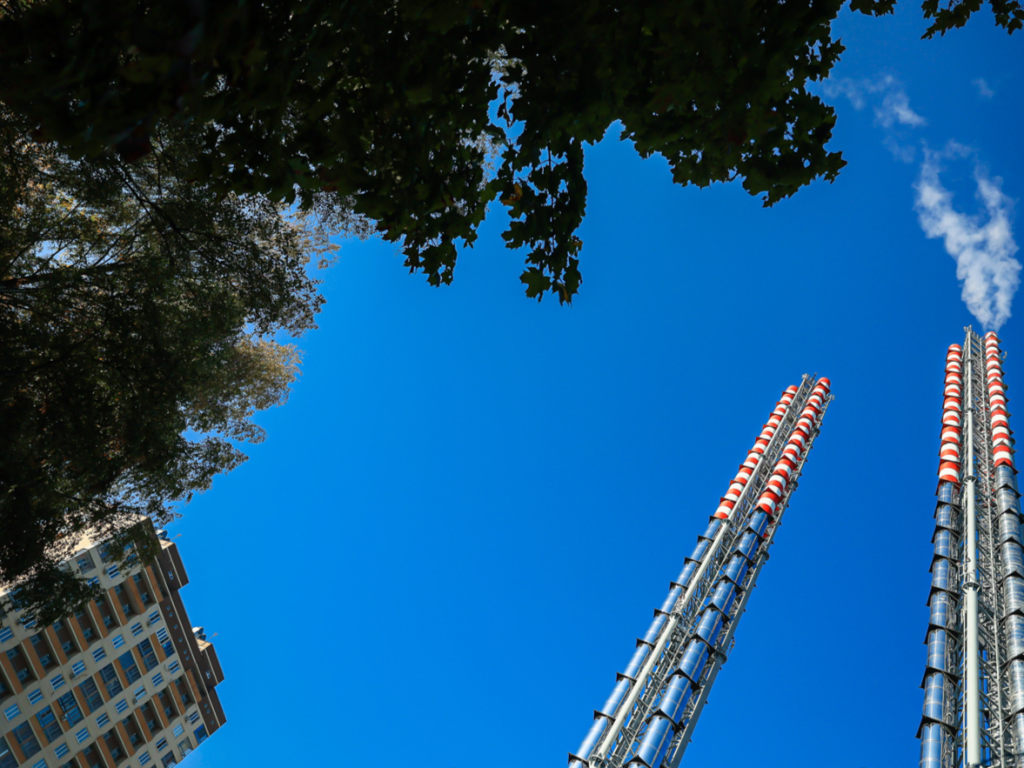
126, 683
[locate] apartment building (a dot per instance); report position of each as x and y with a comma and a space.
126, 683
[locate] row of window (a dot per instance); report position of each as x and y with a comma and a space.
110, 679
29, 745
25, 672
127, 608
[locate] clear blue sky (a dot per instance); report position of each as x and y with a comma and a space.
471, 504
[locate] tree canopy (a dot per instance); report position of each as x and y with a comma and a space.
151, 152
139, 316
385, 102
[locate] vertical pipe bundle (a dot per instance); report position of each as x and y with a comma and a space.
743, 488
936, 732
626, 680
795, 446
754, 456
685, 679
1011, 553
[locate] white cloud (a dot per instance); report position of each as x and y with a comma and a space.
891, 107
983, 88
895, 108
895, 104
854, 90
983, 249
903, 152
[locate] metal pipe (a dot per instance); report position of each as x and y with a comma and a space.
634, 693
742, 580
1010, 549
972, 682
626, 679
935, 732
624, 708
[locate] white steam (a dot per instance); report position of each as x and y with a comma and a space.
983, 246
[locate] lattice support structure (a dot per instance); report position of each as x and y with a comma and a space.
649, 718
974, 677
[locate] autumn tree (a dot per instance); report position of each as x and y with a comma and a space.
140, 314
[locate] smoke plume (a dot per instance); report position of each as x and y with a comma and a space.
982, 245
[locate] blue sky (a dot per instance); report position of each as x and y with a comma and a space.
471, 504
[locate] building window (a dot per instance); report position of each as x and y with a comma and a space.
42, 649
99, 654
137, 629
178, 730
105, 553
122, 598
157, 679
6, 633
161, 744
167, 703
140, 693
94, 581
92, 757
48, 722
102, 720
148, 656
12, 712
131, 669
111, 681
26, 740
85, 562
20, 664
34, 697
65, 638
69, 706
173, 667
140, 583
168, 760
61, 750
194, 718
118, 640
144, 758
4, 690
149, 716
183, 691
112, 571
39, 764
91, 694
113, 744
121, 706
82, 735
6, 756
86, 624
200, 734
77, 668
154, 617
56, 681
